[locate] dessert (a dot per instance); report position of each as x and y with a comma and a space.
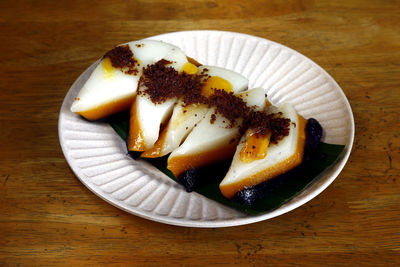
195, 115
275, 159
215, 138
185, 117
111, 88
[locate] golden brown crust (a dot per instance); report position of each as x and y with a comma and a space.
177, 165
107, 109
135, 139
293, 161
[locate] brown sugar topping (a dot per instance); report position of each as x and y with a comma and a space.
213, 118
233, 107
161, 83
122, 57
228, 105
262, 122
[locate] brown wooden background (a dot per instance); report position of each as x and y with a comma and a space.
47, 217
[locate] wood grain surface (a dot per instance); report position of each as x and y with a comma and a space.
47, 217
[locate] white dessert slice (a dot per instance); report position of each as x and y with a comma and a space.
217, 78
145, 122
184, 118
110, 89
213, 139
280, 157
182, 121
147, 116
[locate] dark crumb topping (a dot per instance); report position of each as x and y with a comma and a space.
228, 105
122, 57
263, 123
213, 118
162, 82
233, 107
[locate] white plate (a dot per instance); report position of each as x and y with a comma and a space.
98, 156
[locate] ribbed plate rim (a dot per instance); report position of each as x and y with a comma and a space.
235, 221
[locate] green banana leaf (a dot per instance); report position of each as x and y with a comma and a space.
280, 194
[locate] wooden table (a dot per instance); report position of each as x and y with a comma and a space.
47, 217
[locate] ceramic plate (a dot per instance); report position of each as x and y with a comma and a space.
98, 156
